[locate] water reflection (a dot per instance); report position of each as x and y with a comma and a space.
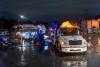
22, 61
27, 43
31, 57
26, 46
73, 61
26, 49
44, 50
19, 56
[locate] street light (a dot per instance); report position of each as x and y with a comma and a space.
22, 16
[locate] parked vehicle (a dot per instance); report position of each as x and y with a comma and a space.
6, 43
3, 32
26, 34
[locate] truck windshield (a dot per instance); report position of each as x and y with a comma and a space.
70, 31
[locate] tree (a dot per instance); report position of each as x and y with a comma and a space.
29, 22
97, 17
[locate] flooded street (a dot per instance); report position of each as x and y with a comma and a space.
30, 55
25, 57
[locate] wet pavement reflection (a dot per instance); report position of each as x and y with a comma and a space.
26, 56
29, 55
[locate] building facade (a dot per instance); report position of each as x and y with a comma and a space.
90, 26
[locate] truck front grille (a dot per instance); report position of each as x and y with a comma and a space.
75, 42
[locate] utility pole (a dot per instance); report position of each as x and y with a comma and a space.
18, 24
86, 19
86, 13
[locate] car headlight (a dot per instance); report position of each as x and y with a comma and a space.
23, 34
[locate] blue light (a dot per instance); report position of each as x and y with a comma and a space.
46, 47
54, 26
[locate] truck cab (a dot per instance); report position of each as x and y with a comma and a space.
70, 40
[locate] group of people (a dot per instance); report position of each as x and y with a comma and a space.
39, 40
41, 29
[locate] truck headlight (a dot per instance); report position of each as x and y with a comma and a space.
85, 42
63, 42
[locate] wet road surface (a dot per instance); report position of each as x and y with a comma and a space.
26, 57
30, 55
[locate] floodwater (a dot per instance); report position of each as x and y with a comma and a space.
29, 55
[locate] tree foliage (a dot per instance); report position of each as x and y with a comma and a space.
8, 24
97, 17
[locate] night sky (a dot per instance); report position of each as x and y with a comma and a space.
49, 10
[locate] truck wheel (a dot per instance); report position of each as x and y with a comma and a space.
59, 50
60, 53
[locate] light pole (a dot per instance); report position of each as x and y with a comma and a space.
21, 16
20, 31
18, 24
